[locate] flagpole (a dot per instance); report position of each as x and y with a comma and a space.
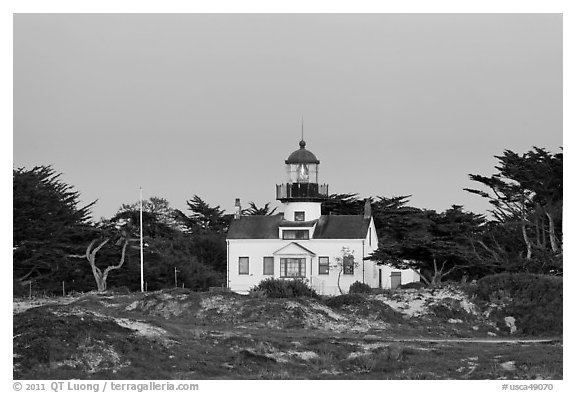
141, 247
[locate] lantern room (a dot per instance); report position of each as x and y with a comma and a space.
302, 178
302, 166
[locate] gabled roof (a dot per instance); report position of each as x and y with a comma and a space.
255, 227
298, 224
327, 227
342, 227
293, 248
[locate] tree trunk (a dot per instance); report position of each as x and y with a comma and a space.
552, 233
495, 256
426, 281
544, 245
439, 274
437, 277
538, 241
527, 241
525, 234
99, 276
339, 274
100, 283
110, 268
434, 280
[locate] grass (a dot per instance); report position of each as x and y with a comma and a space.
81, 340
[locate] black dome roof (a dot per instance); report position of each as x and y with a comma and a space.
302, 156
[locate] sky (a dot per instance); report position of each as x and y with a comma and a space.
212, 104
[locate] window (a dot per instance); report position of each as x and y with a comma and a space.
290, 234
370, 236
299, 216
268, 265
243, 265
292, 267
323, 266
348, 264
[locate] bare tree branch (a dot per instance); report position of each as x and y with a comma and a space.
110, 268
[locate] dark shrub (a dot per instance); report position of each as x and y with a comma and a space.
345, 300
449, 308
387, 292
413, 285
359, 287
123, 290
301, 288
277, 288
177, 291
535, 301
19, 290
361, 305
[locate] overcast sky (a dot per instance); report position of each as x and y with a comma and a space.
184, 104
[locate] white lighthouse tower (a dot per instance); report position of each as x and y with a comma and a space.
301, 195
303, 244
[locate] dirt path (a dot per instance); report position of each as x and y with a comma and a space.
479, 340
306, 334
22, 305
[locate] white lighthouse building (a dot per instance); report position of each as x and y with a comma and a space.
301, 243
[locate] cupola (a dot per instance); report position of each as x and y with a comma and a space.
302, 166
302, 178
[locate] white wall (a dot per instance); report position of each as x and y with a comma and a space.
407, 275
311, 209
256, 250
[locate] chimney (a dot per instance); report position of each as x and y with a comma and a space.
367, 209
237, 209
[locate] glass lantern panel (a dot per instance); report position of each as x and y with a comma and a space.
313, 173
302, 173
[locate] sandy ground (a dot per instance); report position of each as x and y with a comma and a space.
203, 335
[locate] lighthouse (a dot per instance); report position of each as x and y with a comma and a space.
302, 195
302, 244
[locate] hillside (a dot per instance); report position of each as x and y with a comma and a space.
179, 334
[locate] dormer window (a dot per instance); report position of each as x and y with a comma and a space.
299, 216
295, 234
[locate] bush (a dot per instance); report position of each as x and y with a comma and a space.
122, 290
413, 285
382, 359
345, 300
19, 290
277, 288
177, 291
358, 304
257, 293
359, 287
535, 301
386, 292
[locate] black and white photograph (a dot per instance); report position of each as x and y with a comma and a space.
286, 196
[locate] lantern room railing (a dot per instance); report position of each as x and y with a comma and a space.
301, 191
